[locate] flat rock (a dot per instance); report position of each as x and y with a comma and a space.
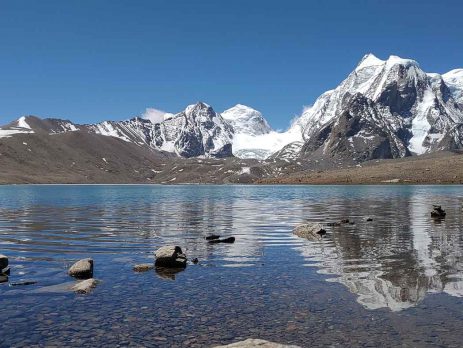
212, 237
143, 267
82, 269
85, 286
3, 261
228, 240
252, 342
309, 231
170, 256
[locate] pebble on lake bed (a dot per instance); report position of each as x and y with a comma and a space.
170, 256
143, 267
85, 286
82, 269
3, 261
252, 343
310, 231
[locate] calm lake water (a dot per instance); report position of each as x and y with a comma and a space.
395, 281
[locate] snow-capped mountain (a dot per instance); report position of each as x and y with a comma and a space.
386, 109
253, 137
196, 131
246, 120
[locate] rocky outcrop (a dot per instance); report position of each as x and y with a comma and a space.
82, 269
309, 231
253, 343
170, 257
438, 212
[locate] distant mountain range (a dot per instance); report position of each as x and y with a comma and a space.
383, 109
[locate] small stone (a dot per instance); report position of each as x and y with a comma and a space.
438, 212
3, 261
212, 237
27, 282
170, 256
310, 231
229, 240
82, 269
143, 267
256, 343
85, 286
195, 260
345, 221
368, 219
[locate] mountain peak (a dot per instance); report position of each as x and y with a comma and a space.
246, 120
369, 60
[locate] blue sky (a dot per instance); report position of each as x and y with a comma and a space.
90, 60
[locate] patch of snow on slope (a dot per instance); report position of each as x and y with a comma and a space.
6, 133
22, 123
266, 143
420, 124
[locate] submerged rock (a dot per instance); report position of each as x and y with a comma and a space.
143, 267
253, 343
168, 273
82, 269
438, 212
23, 283
229, 240
3, 261
310, 231
212, 237
195, 260
368, 219
85, 286
170, 256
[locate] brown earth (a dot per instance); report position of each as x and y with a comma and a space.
436, 168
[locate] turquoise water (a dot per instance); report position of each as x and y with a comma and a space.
394, 281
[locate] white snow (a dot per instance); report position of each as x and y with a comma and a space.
420, 124
6, 133
368, 61
22, 123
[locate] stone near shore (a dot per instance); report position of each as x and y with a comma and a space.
170, 256
3, 261
253, 343
82, 269
143, 267
310, 231
85, 286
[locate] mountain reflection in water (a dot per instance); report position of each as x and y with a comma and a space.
398, 258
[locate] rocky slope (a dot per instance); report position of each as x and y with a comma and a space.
385, 109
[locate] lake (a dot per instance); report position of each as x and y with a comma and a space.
393, 281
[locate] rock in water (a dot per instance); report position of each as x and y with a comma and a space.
224, 240
5, 271
143, 267
212, 237
438, 212
3, 261
85, 286
3, 278
253, 343
170, 256
310, 231
82, 269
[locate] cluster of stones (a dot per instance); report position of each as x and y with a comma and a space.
83, 270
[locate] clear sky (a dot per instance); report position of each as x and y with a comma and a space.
90, 60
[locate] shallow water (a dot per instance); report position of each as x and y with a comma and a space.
395, 281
